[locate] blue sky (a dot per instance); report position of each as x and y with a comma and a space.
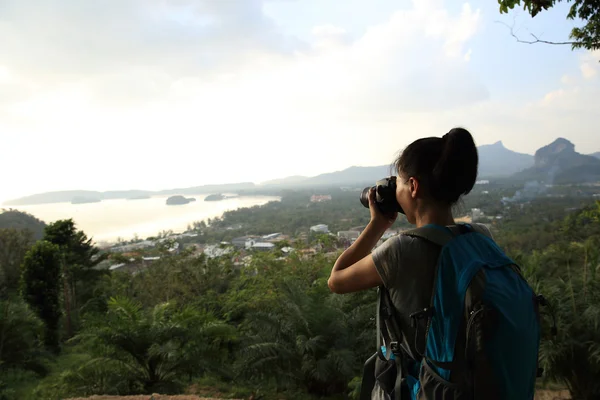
151, 94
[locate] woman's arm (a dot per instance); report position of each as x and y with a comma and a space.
355, 270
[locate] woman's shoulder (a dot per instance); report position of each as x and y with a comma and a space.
483, 229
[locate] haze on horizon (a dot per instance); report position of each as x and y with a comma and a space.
156, 94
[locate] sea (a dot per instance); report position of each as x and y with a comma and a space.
111, 220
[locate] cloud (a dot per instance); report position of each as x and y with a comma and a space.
134, 53
589, 64
570, 110
211, 85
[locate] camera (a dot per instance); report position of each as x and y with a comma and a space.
385, 196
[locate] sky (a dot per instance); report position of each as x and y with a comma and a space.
156, 94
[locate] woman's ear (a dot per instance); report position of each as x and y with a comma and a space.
413, 186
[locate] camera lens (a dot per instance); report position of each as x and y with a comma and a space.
364, 197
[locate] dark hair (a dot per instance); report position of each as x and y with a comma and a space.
446, 166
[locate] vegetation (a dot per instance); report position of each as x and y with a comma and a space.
269, 326
22, 221
586, 37
41, 288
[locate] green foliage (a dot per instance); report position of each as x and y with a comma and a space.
22, 352
145, 351
14, 244
21, 337
22, 221
573, 356
78, 257
586, 37
306, 341
40, 287
268, 326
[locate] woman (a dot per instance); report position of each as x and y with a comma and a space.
432, 174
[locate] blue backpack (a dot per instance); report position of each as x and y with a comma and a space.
482, 328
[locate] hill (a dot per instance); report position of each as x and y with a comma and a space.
495, 160
596, 154
287, 181
350, 176
559, 163
21, 220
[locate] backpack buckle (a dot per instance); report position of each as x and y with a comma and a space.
395, 348
419, 315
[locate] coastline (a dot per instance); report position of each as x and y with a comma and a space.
107, 221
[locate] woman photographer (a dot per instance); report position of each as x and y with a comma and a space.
432, 174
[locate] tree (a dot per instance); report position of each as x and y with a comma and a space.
154, 349
573, 356
21, 336
78, 256
307, 342
41, 281
586, 37
14, 244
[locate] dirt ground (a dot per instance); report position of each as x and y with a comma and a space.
552, 395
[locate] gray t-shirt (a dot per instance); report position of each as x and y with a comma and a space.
406, 265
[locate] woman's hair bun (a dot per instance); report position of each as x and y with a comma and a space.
455, 171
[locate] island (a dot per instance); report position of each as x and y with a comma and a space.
85, 200
179, 200
214, 197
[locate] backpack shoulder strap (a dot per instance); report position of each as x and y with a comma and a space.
432, 233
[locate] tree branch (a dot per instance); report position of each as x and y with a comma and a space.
536, 39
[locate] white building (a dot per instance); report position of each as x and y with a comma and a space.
263, 246
348, 235
271, 236
131, 247
216, 250
476, 214
321, 228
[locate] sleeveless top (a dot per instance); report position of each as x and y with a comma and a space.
406, 266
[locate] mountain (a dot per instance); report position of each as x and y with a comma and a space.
351, 176
559, 163
495, 160
68, 196
22, 220
290, 180
596, 154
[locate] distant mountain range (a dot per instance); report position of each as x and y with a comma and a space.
495, 160
557, 163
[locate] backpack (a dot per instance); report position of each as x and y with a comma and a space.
482, 328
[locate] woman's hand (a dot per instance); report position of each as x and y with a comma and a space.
382, 221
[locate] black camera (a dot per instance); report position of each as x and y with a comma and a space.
385, 196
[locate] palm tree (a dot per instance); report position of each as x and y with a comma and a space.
307, 342
153, 350
573, 355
